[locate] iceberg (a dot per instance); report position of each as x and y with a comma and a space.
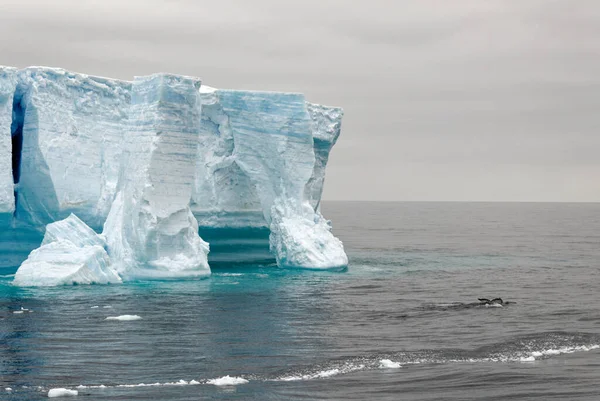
163, 166
71, 253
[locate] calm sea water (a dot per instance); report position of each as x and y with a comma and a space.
399, 324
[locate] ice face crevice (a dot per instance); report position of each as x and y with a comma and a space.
151, 231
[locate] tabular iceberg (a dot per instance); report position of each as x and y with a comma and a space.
155, 162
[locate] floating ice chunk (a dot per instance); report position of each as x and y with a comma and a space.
62, 263
8, 389
527, 359
71, 253
124, 318
62, 392
388, 364
95, 307
227, 381
151, 231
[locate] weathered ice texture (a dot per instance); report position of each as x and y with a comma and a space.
266, 140
71, 253
8, 83
151, 231
72, 127
326, 127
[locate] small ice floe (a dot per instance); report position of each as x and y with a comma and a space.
107, 307
124, 318
62, 392
17, 312
94, 307
8, 389
227, 381
388, 364
527, 359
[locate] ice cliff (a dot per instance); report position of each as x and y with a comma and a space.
157, 164
151, 231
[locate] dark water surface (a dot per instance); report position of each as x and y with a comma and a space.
405, 301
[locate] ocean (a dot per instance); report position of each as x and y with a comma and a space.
402, 323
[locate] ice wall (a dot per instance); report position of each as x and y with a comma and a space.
151, 231
8, 83
72, 128
326, 125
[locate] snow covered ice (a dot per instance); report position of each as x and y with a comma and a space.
155, 164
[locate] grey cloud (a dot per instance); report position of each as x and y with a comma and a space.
444, 100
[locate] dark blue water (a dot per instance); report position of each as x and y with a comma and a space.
406, 300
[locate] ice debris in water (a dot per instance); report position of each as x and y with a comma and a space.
62, 392
148, 161
227, 381
388, 364
71, 253
124, 318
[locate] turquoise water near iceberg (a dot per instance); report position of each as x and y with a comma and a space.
399, 324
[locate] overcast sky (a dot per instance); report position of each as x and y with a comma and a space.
444, 100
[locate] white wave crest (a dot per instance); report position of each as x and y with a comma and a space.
227, 381
124, 318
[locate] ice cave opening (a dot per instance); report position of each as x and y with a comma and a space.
16, 132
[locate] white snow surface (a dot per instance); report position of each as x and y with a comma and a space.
150, 231
71, 253
62, 392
